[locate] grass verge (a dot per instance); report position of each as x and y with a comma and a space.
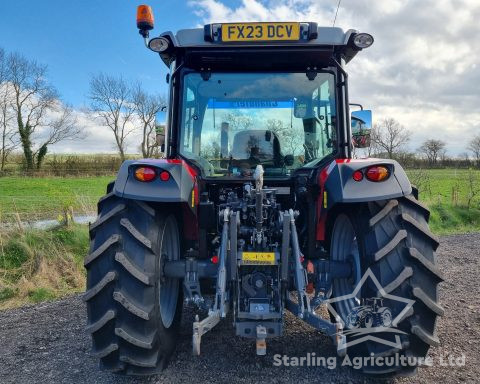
46, 197
38, 265
447, 219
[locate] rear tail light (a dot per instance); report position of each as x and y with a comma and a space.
164, 176
377, 173
145, 174
357, 175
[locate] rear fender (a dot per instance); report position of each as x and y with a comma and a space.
337, 186
342, 188
180, 189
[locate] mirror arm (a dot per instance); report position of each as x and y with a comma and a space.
357, 105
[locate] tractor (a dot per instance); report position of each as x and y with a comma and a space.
371, 314
258, 206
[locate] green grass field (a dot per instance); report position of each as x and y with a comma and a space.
47, 197
436, 185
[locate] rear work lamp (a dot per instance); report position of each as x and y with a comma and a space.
158, 44
363, 40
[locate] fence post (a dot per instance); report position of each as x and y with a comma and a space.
18, 221
68, 216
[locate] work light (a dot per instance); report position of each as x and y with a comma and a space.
158, 44
363, 40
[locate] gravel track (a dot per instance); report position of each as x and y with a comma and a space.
47, 342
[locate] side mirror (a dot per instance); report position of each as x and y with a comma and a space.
160, 122
288, 160
361, 123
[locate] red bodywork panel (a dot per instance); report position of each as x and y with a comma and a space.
189, 213
322, 212
322, 179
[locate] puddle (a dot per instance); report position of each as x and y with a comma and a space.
48, 223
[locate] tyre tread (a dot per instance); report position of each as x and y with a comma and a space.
415, 254
398, 281
422, 229
134, 309
391, 245
101, 249
104, 352
131, 268
383, 213
95, 290
146, 344
100, 323
107, 216
425, 299
124, 222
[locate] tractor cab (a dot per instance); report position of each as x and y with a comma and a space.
284, 79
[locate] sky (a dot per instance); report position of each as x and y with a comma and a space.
423, 69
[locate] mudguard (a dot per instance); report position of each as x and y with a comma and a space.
339, 186
180, 188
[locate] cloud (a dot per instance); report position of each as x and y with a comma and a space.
97, 138
423, 69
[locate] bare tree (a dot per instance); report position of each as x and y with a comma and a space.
146, 107
373, 148
64, 127
474, 147
473, 185
33, 99
432, 149
8, 136
111, 100
237, 121
390, 136
444, 157
9, 139
290, 140
421, 179
464, 159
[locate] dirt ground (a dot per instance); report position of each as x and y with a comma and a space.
47, 342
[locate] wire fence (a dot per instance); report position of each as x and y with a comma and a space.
79, 172
41, 212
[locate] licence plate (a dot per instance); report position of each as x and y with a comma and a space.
260, 31
256, 258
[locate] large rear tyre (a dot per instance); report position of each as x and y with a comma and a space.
392, 240
133, 313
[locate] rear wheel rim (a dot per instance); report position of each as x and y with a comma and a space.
169, 287
345, 249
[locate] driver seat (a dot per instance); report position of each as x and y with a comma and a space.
258, 146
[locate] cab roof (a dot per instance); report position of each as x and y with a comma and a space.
312, 38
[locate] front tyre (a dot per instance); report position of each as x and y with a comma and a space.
133, 313
394, 243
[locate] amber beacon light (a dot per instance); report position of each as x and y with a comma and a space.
145, 20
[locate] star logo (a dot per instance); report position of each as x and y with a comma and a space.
362, 314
